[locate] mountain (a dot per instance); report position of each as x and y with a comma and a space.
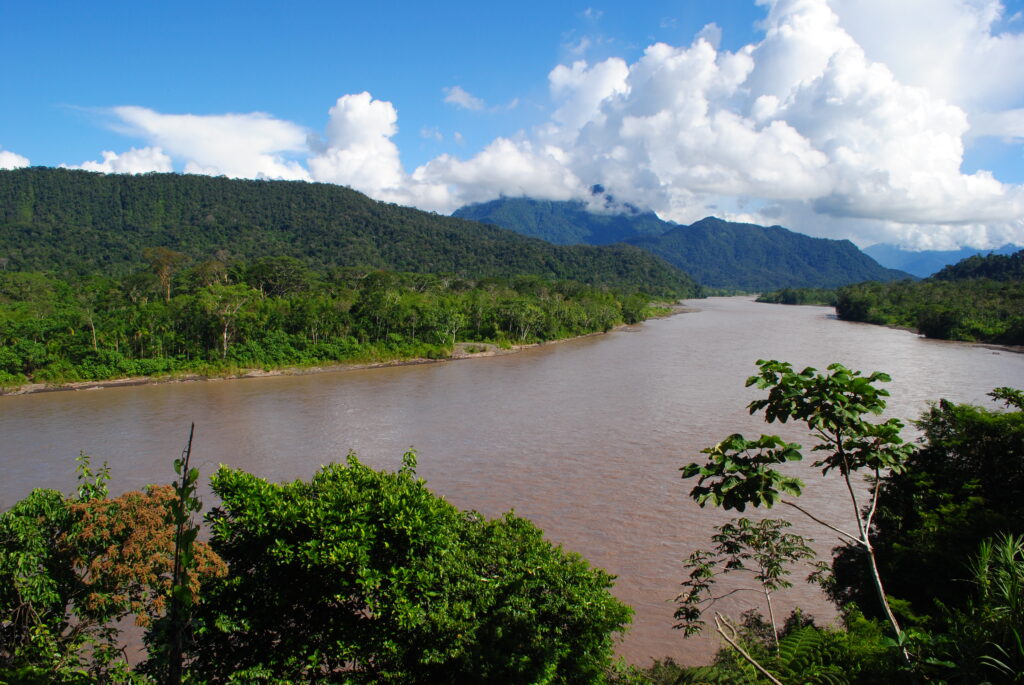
750, 257
72, 221
717, 253
926, 262
564, 223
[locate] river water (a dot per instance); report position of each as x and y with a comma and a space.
585, 438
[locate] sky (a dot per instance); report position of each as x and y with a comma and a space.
896, 121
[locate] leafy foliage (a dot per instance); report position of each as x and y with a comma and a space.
760, 548
365, 576
993, 266
276, 312
965, 483
811, 296
833, 406
72, 567
981, 299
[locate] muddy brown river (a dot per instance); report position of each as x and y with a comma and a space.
585, 438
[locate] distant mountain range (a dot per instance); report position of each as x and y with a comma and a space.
719, 254
927, 262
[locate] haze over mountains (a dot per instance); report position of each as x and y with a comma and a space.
719, 254
927, 262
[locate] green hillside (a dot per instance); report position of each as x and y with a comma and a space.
78, 222
750, 257
563, 223
717, 253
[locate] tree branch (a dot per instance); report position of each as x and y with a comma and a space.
828, 525
720, 625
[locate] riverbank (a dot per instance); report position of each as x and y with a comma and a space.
462, 350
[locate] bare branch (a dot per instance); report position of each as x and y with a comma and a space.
828, 525
720, 625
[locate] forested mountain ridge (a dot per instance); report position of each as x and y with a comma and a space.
81, 222
717, 253
750, 257
563, 223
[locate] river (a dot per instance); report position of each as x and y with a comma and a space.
585, 438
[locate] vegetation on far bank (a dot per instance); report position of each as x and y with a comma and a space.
216, 317
980, 299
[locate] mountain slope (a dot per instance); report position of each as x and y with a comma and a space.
927, 262
750, 257
717, 253
563, 223
77, 221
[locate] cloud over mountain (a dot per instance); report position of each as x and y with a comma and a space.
847, 118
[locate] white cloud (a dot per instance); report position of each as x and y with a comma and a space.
135, 161
238, 145
846, 119
10, 160
946, 46
359, 153
504, 167
455, 95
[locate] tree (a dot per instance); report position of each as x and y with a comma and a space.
833, 406
366, 576
163, 261
72, 567
762, 549
964, 484
225, 302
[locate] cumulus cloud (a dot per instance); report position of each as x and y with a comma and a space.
253, 145
504, 167
949, 47
803, 120
10, 160
847, 119
359, 153
135, 161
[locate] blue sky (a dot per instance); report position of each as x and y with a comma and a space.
863, 119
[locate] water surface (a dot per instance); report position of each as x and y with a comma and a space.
585, 437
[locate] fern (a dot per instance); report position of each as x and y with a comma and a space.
804, 658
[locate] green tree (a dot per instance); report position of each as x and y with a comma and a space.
761, 548
163, 261
964, 484
72, 567
225, 303
366, 576
834, 407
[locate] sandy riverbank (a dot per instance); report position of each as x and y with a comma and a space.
463, 350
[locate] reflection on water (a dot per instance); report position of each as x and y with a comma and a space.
585, 438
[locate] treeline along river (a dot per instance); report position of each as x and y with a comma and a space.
585, 437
